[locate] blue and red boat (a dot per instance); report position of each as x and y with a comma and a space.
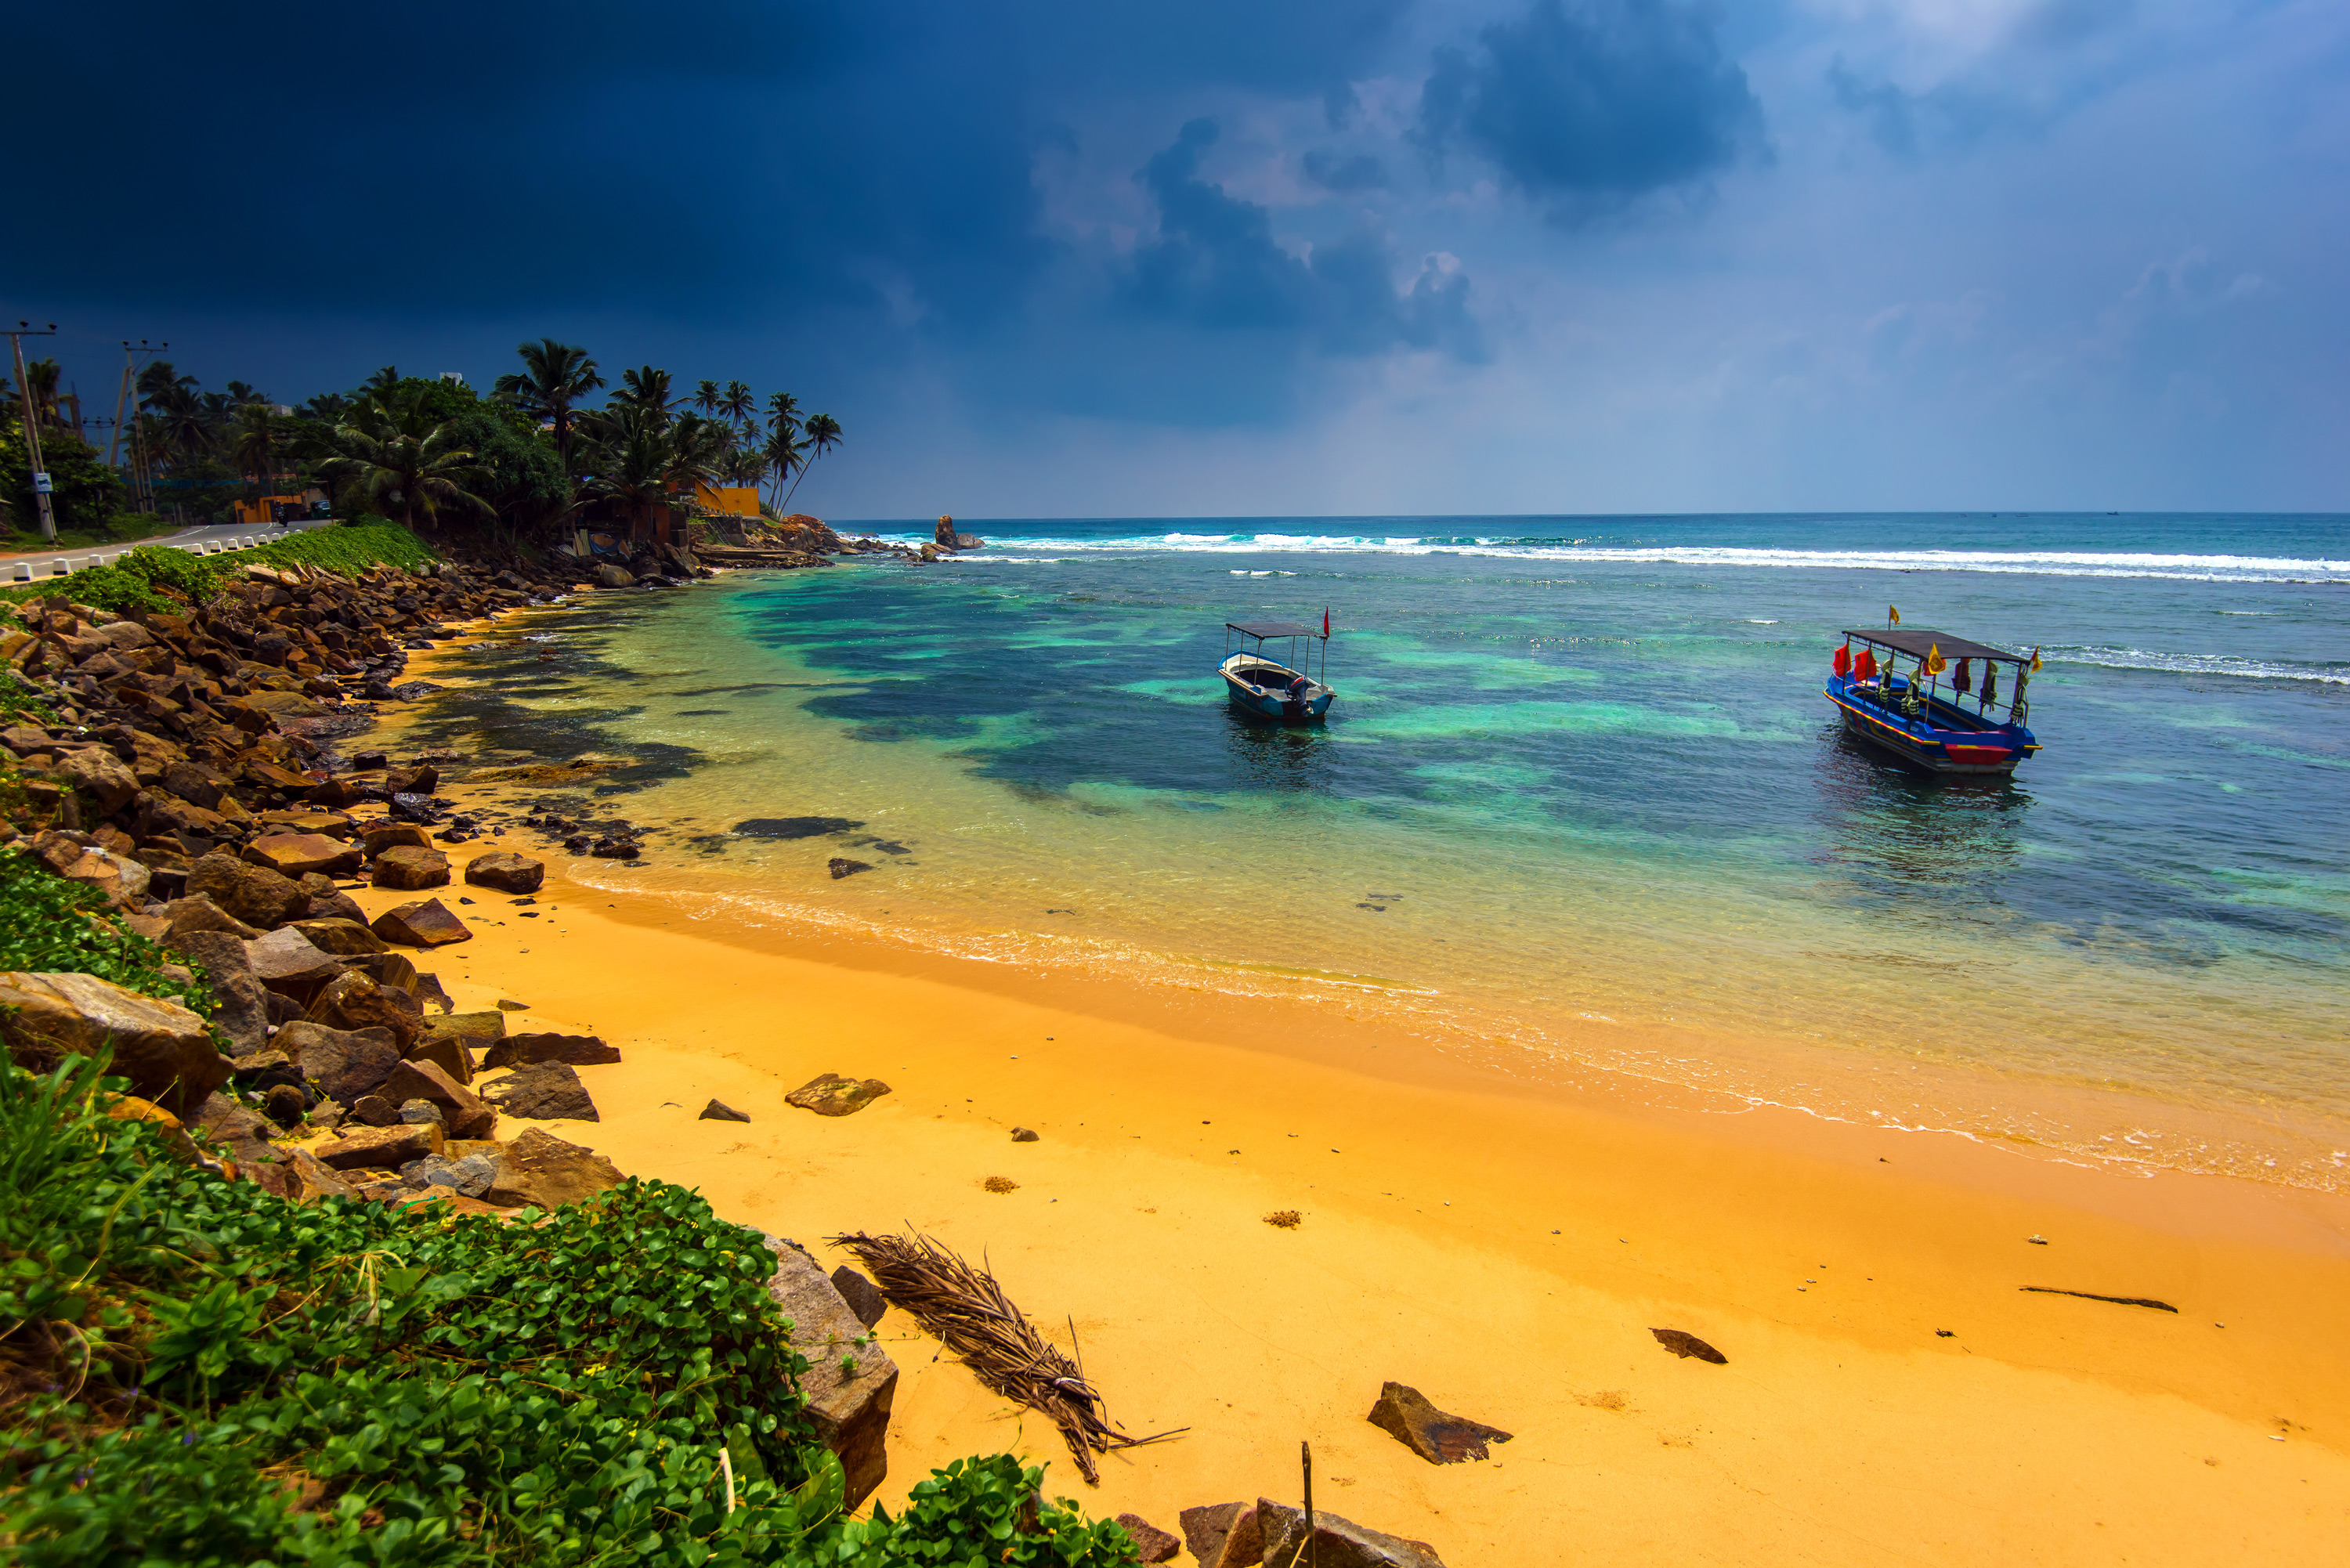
1938, 712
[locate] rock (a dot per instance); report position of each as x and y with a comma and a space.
507, 873
162, 1048
460, 1108
285, 1105
479, 1031
253, 894
1222, 1535
343, 1063
339, 937
243, 1013
447, 1051
420, 1111
120, 881
470, 1176
426, 924
1152, 1544
314, 1179
863, 1296
328, 902
1406, 1415
288, 963
1023, 1135
245, 1131
380, 1149
1337, 1542
1689, 1344
198, 913
408, 868
544, 1091
354, 1000
332, 824
540, 1170
296, 854
375, 1111
611, 577
376, 837
96, 774
848, 1404
525, 1050
719, 1111
830, 1094
420, 778
327, 1115
840, 867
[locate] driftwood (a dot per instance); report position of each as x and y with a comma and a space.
967, 1310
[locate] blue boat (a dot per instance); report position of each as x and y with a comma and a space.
1265, 688
1961, 725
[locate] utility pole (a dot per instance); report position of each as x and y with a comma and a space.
32, 431
143, 489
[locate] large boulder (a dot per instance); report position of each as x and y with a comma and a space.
355, 1001
243, 1013
830, 1094
296, 854
384, 833
120, 881
1337, 1542
409, 870
611, 577
461, 1110
428, 923
96, 774
546, 1091
343, 1063
197, 913
164, 1050
289, 964
540, 1170
1222, 1535
850, 1383
380, 1149
506, 872
339, 937
253, 894
1405, 1414
528, 1050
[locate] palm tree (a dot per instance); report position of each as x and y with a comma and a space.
253, 443
554, 377
183, 425
738, 402
744, 465
382, 382
392, 447
647, 388
823, 435
41, 407
706, 397
159, 381
245, 392
784, 454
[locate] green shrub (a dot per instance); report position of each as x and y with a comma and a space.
21, 702
45, 927
358, 548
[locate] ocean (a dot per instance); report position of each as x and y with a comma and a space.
1579, 803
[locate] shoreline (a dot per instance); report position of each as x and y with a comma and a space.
1823, 1258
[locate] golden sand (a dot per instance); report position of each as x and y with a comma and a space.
1891, 1392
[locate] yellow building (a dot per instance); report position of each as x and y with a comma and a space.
732, 500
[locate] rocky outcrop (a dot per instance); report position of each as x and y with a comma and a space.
1337, 1542
947, 538
830, 1094
544, 1091
164, 1050
1405, 1414
506, 872
529, 1050
540, 1170
256, 895
850, 1384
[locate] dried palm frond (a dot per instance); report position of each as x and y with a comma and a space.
967, 1310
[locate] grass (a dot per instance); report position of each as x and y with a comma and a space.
160, 578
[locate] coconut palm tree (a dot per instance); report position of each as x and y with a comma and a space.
183, 425
706, 396
253, 441
382, 382
633, 459
245, 392
823, 435
784, 454
554, 378
744, 465
738, 402
400, 455
647, 388
158, 381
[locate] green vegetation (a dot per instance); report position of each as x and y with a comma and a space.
194, 1372
47, 926
21, 702
158, 578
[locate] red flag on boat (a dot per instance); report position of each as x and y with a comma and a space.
1325, 623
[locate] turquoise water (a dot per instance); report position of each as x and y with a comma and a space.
1579, 801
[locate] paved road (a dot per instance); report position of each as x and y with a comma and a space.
31, 565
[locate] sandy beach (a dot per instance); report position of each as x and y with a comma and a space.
1892, 1389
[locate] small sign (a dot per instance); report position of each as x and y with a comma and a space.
41, 485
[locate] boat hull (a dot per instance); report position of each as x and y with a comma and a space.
1271, 708
1943, 745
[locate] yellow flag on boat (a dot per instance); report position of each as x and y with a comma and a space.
1934, 663
2035, 661
1892, 614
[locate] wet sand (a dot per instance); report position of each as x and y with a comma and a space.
1504, 1247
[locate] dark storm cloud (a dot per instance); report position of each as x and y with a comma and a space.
1594, 103
701, 159
1215, 265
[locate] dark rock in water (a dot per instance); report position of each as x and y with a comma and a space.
1405, 1414
1688, 1345
830, 1094
409, 690
720, 1111
846, 867
863, 1296
1152, 1543
1222, 1535
417, 808
615, 849
546, 1091
1337, 1542
1023, 1135
794, 826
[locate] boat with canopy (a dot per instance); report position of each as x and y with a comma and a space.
1266, 688
1918, 694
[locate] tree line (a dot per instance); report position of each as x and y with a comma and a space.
432, 454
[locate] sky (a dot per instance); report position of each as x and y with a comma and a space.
1286, 257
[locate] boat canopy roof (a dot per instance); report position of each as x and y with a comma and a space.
1918, 643
1264, 629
